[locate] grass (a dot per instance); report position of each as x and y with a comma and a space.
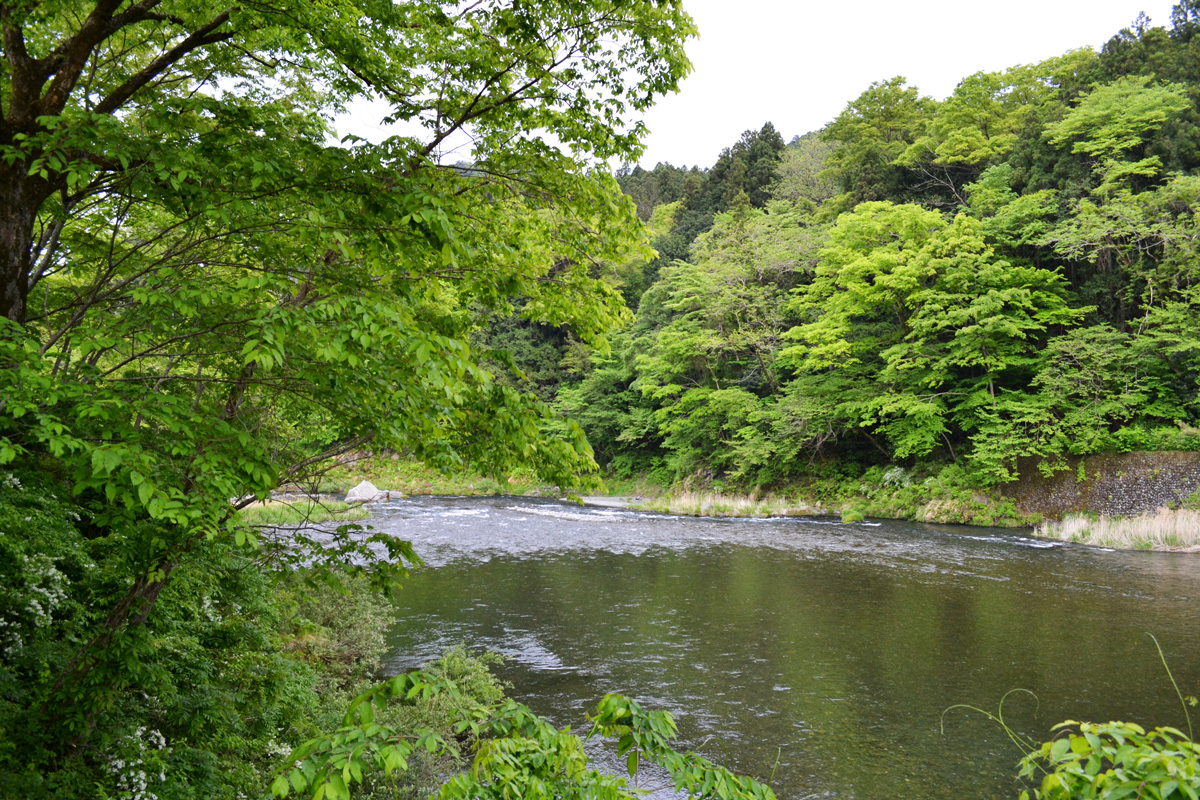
399, 474
413, 477
1165, 530
637, 486
714, 504
299, 512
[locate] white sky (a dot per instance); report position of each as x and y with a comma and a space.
797, 64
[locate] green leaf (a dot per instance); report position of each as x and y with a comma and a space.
297, 780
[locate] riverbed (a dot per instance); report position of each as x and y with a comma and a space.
817, 655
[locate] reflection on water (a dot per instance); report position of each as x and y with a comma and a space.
822, 651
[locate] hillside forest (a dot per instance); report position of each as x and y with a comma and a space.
957, 288
206, 295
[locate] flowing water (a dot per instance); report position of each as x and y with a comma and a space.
819, 655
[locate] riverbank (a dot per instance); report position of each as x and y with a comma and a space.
948, 496
289, 509
1167, 530
392, 473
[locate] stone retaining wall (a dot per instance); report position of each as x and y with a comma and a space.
1110, 483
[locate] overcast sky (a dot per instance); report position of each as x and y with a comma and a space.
797, 64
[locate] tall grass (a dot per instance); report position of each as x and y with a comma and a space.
1164, 530
300, 512
713, 504
413, 477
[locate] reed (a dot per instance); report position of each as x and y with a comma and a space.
1166, 529
715, 504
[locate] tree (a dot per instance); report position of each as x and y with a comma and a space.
748, 167
984, 119
202, 296
1112, 127
872, 134
82, 84
803, 175
929, 314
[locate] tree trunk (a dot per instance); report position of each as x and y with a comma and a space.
20, 198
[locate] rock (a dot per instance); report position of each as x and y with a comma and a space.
366, 492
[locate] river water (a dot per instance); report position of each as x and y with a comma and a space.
817, 655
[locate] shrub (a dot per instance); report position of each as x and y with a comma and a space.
1115, 760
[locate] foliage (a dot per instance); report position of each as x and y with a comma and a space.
1008, 272
930, 311
981, 122
872, 134
204, 295
803, 171
1113, 760
711, 361
202, 693
517, 753
1111, 124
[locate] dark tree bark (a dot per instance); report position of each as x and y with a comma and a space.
42, 87
20, 199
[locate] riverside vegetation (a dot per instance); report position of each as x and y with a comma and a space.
1164, 530
204, 297
955, 289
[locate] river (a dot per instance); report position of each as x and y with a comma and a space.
815, 654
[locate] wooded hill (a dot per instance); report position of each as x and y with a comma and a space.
1010, 272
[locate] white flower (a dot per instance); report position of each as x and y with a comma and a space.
275, 749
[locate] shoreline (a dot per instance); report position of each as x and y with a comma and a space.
1152, 533
1164, 531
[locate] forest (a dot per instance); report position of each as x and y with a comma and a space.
960, 288
205, 295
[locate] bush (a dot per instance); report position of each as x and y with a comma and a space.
1115, 760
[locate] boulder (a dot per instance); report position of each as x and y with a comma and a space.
366, 492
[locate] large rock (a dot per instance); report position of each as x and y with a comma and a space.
366, 492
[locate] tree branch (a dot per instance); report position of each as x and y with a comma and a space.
199, 38
68, 60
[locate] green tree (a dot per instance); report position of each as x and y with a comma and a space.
202, 296
748, 167
981, 123
928, 314
872, 134
803, 171
1090, 383
1112, 125
712, 357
